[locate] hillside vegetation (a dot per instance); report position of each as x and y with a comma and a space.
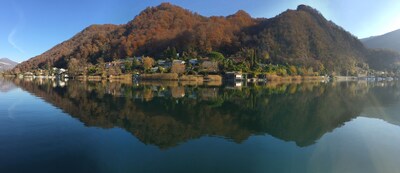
300, 38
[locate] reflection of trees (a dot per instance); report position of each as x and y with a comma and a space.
167, 116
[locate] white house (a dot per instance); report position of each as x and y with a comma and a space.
178, 62
194, 62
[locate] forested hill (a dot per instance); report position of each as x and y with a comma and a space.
301, 37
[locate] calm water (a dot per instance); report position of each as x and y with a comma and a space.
48, 126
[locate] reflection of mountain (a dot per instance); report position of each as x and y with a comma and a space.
167, 116
6, 85
385, 104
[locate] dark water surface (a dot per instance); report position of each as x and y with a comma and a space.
73, 127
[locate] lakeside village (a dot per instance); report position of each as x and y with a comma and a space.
210, 69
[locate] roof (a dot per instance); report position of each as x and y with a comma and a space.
238, 59
178, 61
233, 72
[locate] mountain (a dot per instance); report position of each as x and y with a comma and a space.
301, 37
389, 41
7, 64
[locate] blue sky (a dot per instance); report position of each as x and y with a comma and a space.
30, 27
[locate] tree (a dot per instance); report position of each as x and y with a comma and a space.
148, 63
74, 67
170, 53
17, 71
92, 70
114, 70
136, 64
292, 70
267, 57
209, 66
216, 56
227, 65
128, 66
178, 68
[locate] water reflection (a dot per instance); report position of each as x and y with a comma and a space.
6, 85
170, 113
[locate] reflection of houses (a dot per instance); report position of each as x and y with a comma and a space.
233, 76
59, 83
208, 93
262, 77
114, 90
235, 85
160, 93
178, 92
225, 110
148, 93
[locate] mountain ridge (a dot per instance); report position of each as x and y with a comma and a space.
301, 37
7, 64
390, 41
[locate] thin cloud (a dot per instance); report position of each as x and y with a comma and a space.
11, 38
12, 41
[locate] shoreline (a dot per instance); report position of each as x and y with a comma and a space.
207, 78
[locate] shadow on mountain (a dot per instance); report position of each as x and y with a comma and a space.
168, 115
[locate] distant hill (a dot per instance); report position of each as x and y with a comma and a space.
389, 41
301, 37
7, 64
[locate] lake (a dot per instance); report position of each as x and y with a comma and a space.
116, 127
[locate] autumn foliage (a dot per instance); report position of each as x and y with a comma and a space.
301, 37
